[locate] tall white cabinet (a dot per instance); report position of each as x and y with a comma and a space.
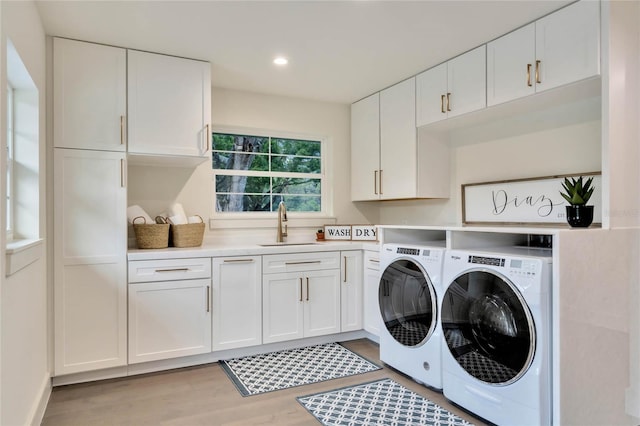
351, 290
169, 102
90, 260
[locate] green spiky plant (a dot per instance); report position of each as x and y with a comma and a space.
577, 192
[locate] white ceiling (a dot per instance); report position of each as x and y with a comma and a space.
339, 51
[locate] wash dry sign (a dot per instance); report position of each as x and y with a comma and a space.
523, 201
351, 232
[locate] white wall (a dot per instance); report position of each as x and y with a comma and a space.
24, 374
560, 140
154, 189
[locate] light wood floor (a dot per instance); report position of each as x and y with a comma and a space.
204, 395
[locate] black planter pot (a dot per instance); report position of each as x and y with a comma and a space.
579, 216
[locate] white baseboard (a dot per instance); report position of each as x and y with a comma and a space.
40, 405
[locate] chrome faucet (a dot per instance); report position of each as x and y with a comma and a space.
282, 217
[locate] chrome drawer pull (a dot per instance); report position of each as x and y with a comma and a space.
237, 260
306, 262
173, 270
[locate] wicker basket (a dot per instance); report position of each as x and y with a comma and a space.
187, 235
151, 235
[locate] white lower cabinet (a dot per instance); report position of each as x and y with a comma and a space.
351, 290
237, 302
372, 318
172, 318
301, 303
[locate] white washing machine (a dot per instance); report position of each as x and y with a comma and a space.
495, 317
410, 338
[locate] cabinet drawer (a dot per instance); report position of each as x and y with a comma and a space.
276, 263
372, 260
141, 271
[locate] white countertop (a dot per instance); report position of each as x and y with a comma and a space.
209, 249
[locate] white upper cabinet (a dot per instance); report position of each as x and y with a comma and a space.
90, 96
365, 148
568, 45
397, 175
387, 160
453, 88
511, 66
561, 48
169, 101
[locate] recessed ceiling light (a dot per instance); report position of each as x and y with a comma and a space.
280, 60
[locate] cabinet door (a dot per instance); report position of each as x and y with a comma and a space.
568, 44
90, 254
398, 141
169, 319
372, 318
511, 66
237, 302
467, 82
365, 149
282, 307
431, 92
167, 103
89, 103
321, 302
351, 290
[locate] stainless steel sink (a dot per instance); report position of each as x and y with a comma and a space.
286, 244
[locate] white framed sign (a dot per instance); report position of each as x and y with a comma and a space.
351, 232
533, 201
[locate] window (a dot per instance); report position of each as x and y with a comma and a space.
10, 138
254, 173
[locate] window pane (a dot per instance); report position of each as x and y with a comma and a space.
295, 147
242, 203
296, 186
298, 203
295, 164
243, 184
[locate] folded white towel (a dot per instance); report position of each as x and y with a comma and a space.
194, 219
178, 220
135, 211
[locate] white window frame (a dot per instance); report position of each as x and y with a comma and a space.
10, 196
325, 184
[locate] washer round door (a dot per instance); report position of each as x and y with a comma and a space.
407, 302
488, 327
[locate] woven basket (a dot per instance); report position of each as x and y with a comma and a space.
151, 235
187, 235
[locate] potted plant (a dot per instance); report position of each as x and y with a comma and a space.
577, 193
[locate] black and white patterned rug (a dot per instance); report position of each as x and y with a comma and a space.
383, 402
295, 367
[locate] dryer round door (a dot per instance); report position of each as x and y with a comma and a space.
488, 327
407, 302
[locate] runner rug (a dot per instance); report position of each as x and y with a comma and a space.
383, 402
295, 367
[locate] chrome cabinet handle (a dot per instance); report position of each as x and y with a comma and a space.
208, 299
122, 130
307, 289
123, 182
345, 269
173, 270
301, 289
238, 260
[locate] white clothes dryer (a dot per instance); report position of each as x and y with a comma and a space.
410, 338
496, 316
